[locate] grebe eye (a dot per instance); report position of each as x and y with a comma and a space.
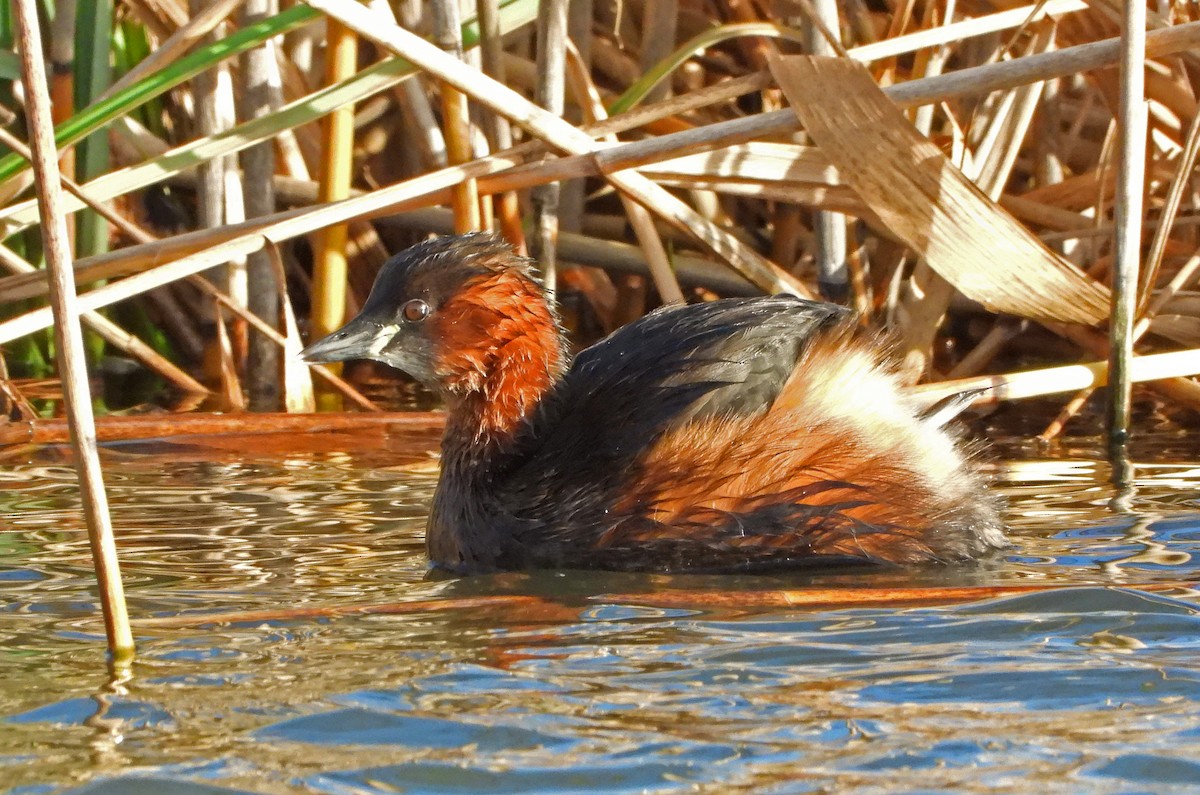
415, 310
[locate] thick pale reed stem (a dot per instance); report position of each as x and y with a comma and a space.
68, 334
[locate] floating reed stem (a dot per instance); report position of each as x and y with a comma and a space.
723, 601
1131, 177
68, 335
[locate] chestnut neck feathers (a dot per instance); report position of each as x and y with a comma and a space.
498, 350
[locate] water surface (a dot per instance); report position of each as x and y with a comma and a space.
588, 687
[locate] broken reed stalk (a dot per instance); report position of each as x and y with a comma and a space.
598, 253
69, 335
1128, 215
550, 94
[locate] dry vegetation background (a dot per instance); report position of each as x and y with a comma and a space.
239, 171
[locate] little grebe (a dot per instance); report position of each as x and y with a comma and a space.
738, 435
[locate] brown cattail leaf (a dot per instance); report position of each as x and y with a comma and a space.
926, 201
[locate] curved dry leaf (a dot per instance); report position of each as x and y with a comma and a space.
926, 201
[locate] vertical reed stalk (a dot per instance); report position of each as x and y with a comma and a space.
337, 160
639, 217
219, 189
62, 80
457, 120
549, 93
659, 25
93, 73
572, 200
1128, 217
68, 335
258, 166
210, 187
830, 228
497, 128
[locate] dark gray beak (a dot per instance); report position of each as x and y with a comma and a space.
358, 339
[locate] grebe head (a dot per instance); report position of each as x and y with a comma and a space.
461, 314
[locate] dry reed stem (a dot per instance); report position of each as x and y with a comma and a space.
109, 331
1131, 162
68, 335
563, 136
337, 160
496, 127
829, 229
549, 92
639, 219
264, 294
1067, 378
456, 120
972, 81
952, 32
231, 387
589, 251
321, 370
1069, 410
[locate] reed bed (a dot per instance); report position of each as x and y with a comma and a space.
956, 172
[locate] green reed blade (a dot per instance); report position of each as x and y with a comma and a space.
96, 116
